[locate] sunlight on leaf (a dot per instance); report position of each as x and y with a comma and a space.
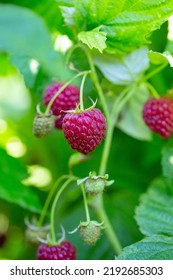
128, 24
93, 39
15, 147
39, 176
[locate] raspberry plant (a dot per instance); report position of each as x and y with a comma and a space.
97, 109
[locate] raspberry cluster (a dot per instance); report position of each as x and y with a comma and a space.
84, 130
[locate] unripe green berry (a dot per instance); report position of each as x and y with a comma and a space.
43, 124
94, 186
90, 232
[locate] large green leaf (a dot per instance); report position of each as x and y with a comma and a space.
24, 36
97, 12
167, 161
155, 211
126, 23
12, 172
155, 247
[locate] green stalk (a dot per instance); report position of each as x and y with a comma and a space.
85, 204
95, 80
106, 149
97, 204
97, 201
49, 198
155, 71
109, 134
81, 91
152, 90
52, 216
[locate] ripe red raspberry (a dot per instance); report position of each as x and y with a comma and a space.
158, 115
66, 100
84, 131
64, 251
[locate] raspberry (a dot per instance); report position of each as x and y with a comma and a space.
84, 131
66, 100
63, 251
158, 115
93, 186
43, 124
90, 233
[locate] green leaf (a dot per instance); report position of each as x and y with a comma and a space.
24, 36
96, 12
131, 121
155, 211
123, 70
11, 187
155, 247
127, 24
23, 63
161, 58
93, 39
167, 161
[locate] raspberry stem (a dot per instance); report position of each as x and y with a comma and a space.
97, 201
152, 90
85, 204
81, 91
52, 216
155, 71
119, 103
97, 204
95, 80
49, 198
